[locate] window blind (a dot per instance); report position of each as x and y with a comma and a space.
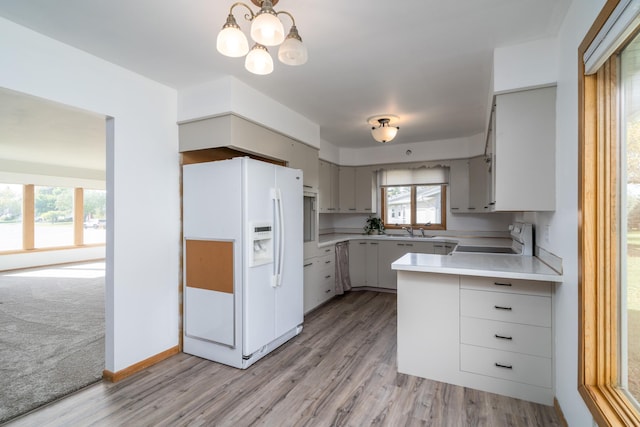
420, 176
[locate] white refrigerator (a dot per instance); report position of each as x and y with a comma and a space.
243, 259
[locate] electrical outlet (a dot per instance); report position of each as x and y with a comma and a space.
547, 231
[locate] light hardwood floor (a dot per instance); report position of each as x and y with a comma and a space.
341, 371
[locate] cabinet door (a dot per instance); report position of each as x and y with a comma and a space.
311, 285
388, 253
524, 163
324, 186
357, 262
306, 158
371, 264
347, 189
335, 187
478, 200
365, 190
459, 185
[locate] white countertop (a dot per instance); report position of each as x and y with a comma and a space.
332, 239
487, 265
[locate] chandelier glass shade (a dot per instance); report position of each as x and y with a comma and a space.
383, 132
266, 30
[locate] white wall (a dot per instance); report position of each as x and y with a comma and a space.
143, 231
563, 240
526, 65
563, 223
229, 94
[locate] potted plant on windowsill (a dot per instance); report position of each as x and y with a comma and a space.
374, 225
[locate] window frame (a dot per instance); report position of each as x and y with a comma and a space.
443, 207
598, 238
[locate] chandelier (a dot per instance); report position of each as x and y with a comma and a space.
266, 30
383, 132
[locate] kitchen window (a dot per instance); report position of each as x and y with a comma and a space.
609, 234
414, 197
414, 205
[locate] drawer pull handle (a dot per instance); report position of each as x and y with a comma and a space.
501, 284
363, 243
327, 277
499, 307
503, 337
327, 291
328, 262
500, 365
307, 265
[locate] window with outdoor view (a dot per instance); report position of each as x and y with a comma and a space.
10, 217
94, 209
609, 363
630, 216
54, 216
414, 205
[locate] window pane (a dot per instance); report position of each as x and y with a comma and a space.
54, 216
428, 204
630, 254
95, 223
10, 217
398, 205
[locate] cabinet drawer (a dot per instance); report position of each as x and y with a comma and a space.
515, 337
506, 307
326, 251
506, 365
326, 262
516, 286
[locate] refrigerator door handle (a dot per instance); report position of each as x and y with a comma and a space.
281, 240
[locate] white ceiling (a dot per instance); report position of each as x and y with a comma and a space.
427, 61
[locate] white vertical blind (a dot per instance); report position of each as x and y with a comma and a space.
624, 19
425, 176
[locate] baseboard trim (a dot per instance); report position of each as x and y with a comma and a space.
558, 409
114, 377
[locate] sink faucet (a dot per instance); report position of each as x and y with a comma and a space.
409, 230
422, 232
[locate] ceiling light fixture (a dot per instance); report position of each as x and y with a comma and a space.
383, 129
266, 30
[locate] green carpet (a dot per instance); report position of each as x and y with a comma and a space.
51, 334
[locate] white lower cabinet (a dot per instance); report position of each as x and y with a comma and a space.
363, 263
480, 332
319, 278
370, 260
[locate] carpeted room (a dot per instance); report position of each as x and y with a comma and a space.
51, 334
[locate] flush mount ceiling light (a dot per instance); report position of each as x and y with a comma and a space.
266, 30
383, 129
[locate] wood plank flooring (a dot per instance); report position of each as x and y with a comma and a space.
341, 371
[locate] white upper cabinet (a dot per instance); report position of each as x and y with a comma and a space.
468, 185
357, 190
328, 191
459, 185
306, 158
523, 147
347, 178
